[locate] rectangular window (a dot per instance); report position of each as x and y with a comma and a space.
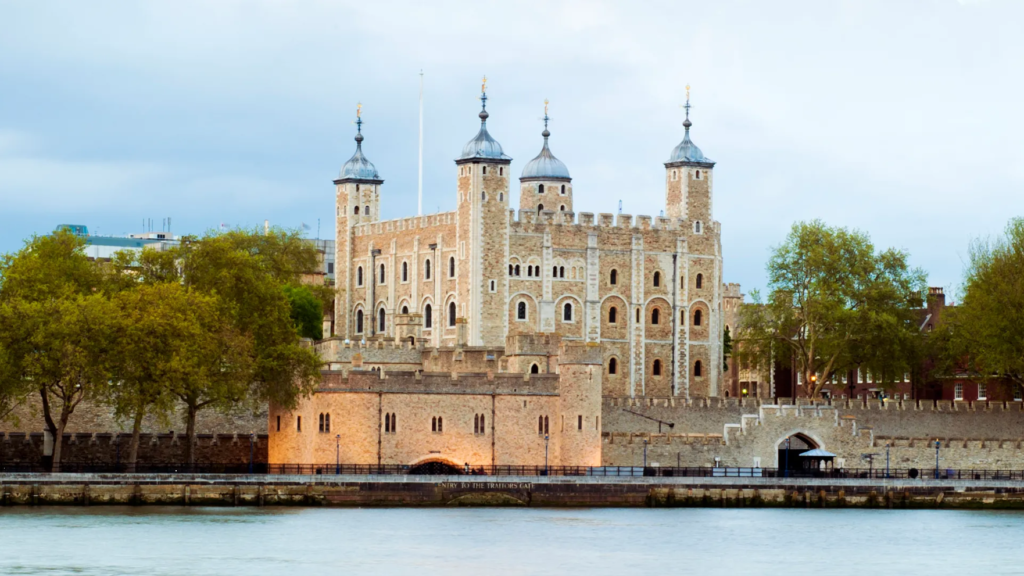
278, 423
958, 391
579, 424
494, 286
330, 267
298, 424
982, 392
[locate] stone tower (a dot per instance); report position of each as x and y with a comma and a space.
579, 402
482, 221
358, 201
688, 181
545, 183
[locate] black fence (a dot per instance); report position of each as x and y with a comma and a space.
436, 469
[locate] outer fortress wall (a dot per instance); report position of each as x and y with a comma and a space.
987, 436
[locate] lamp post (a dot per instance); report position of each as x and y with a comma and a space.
546, 438
337, 454
789, 441
252, 449
937, 444
886, 459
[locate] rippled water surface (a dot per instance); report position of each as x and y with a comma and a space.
294, 541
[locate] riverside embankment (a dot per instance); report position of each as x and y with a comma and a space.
390, 490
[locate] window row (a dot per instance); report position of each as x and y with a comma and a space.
540, 189
325, 423
468, 169
613, 367
613, 279
428, 318
382, 272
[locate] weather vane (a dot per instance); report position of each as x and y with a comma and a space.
545, 106
483, 85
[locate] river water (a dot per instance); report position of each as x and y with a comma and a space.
301, 541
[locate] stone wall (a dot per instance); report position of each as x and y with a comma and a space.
109, 449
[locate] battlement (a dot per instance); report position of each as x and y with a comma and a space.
420, 382
537, 344
527, 218
409, 223
574, 352
732, 290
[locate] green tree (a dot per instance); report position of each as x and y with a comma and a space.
834, 304
307, 311
55, 326
726, 349
174, 344
247, 272
983, 336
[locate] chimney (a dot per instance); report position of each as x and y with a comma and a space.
936, 296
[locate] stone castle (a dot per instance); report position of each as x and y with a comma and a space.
489, 335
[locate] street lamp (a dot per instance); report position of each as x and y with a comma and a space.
937, 444
337, 454
789, 442
886, 459
252, 449
546, 438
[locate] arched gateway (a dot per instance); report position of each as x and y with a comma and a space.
436, 468
790, 450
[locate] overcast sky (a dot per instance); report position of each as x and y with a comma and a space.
902, 119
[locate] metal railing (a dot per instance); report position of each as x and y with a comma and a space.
486, 470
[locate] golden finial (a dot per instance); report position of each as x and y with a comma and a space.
359, 109
687, 92
545, 106
483, 85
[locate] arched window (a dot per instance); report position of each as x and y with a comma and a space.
451, 314
697, 368
380, 321
476, 423
357, 210
540, 424
327, 423
298, 423
567, 312
613, 277
451, 267
656, 369
433, 424
657, 278
540, 208
613, 366
563, 189
440, 424
613, 314
638, 315
517, 270
394, 423
521, 311
387, 423
540, 188
359, 321
534, 369
696, 227
554, 272
382, 277
561, 271
321, 422
366, 211
483, 196
655, 316
562, 208
405, 309
697, 318
698, 174
359, 276
428, 320
700, 281
426, 269
405, 271
483, 424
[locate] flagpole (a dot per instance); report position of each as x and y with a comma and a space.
419, 189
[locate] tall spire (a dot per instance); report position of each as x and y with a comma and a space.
687, 123
358, 167
545, 133
359, 125
545, 165
483, 102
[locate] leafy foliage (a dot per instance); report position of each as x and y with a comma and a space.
307, 311
834, 304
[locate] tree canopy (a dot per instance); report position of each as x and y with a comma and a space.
833, 304
983, 336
